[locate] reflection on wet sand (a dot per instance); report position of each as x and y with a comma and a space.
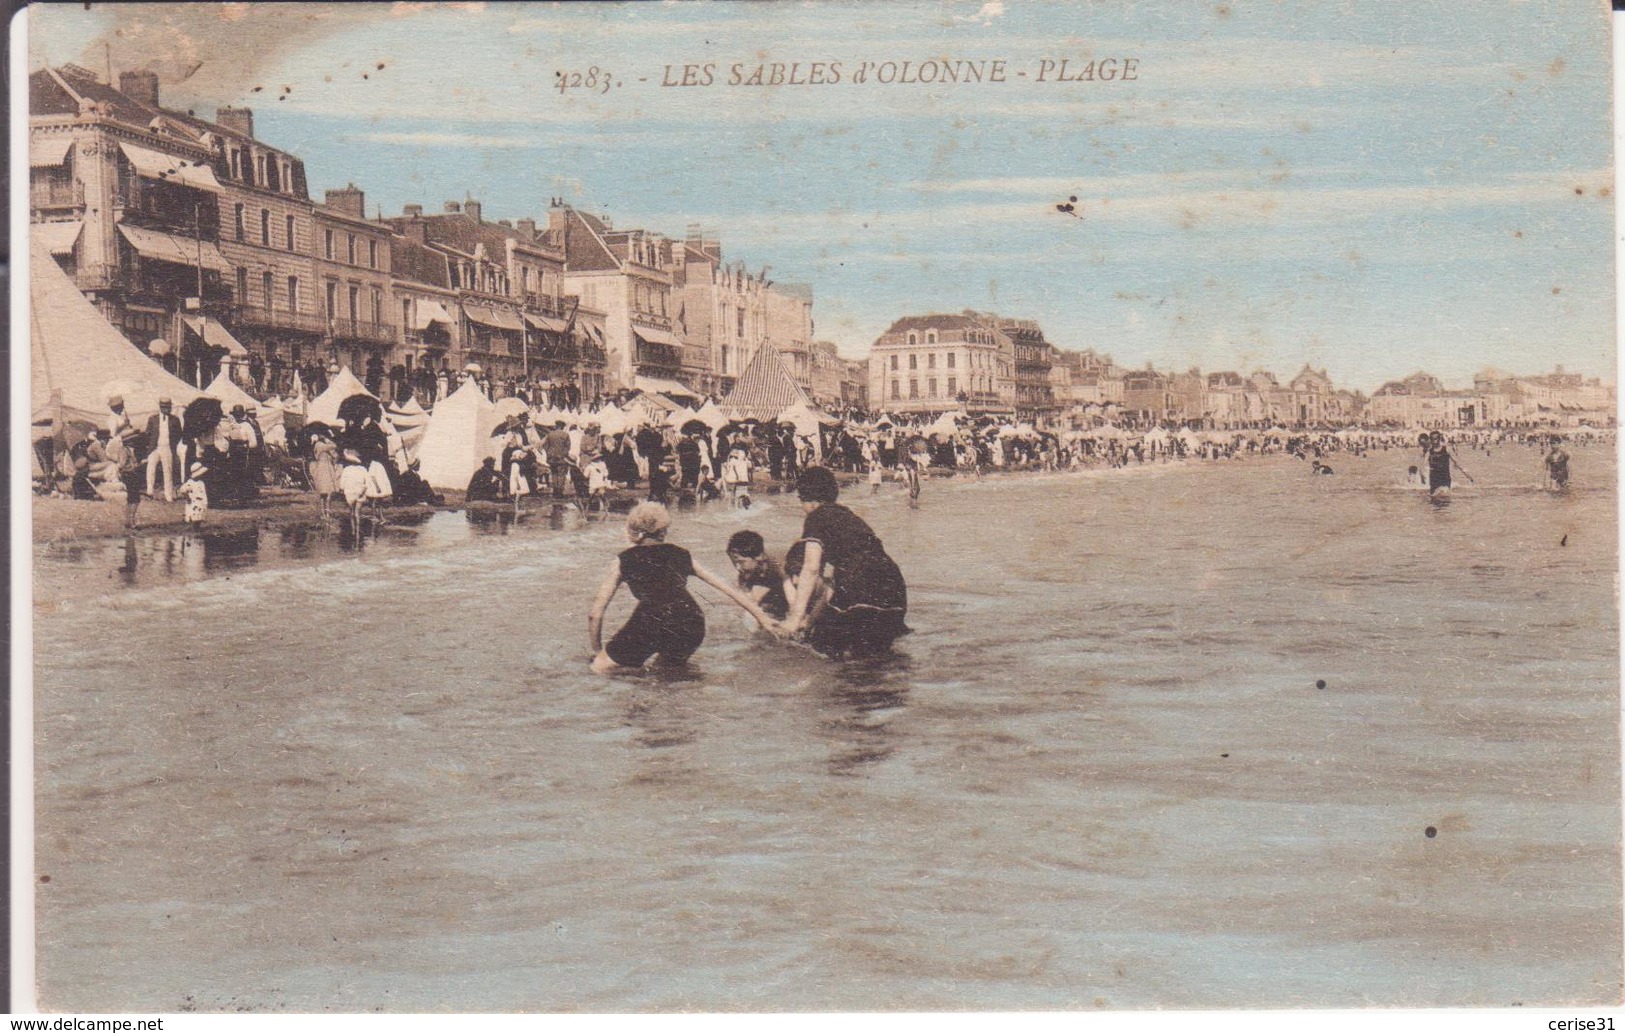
857, 712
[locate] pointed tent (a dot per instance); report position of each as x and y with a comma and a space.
75, 353
457, 438
409, 419
324, 408
226, 389
764, 389
712, 416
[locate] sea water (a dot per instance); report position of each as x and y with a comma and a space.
1223, 734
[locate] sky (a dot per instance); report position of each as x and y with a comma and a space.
1367, 187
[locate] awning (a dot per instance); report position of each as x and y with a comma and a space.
656, 336
662, 386
167, 247
500, 318
45, 151
548, 323
426, 312
60, 237
214, 335
597, 333
169, 168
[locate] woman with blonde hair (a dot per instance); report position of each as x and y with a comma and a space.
667, 622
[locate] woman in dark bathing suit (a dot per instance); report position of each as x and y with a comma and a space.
868, 600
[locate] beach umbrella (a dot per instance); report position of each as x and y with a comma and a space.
696, 426
510, 407
203, 414
357, 409
158, 346
472, 367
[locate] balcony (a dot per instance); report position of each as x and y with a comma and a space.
54, 194
276, 319
593, 355
661, 355
548, 305
364, 332
649, 319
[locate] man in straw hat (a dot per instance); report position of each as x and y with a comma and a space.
162, 437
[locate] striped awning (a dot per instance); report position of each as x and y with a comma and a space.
167, 247
190, 172
497, 318
59, 237
46, 151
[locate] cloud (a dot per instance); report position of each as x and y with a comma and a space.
991, 10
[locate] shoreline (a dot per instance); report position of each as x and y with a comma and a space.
62, 521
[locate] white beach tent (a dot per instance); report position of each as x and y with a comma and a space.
75, 354
610, 420
230, 395
324, 408
457, 438
712, 416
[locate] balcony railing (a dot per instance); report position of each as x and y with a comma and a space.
52, 194
360, 330
593, 355
548, 305
648, 354
277, 319
650, 320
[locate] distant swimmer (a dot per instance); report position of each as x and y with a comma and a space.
1557, 466
1440, 460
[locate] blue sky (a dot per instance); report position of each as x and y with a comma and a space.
1369, 187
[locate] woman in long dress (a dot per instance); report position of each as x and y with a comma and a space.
324, 470
868, 599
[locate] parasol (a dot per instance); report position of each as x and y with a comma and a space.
158, 346
358, 409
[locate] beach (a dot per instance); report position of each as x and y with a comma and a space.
1184, 735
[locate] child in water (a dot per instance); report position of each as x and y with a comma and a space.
667, 622
760, 576
1414, 479
795, 562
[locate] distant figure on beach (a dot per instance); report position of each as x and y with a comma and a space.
667, 623
196, 494
486, 483
868, 599
1320, 469
1557, 466
760, 576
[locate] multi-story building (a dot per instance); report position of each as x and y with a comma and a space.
1035, 394
1149, 394
721, 309
788, 308
935, 363
624, 274
353, 286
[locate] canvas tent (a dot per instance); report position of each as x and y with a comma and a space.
457, 438
324, 408
75, 354
764, 390
409, 419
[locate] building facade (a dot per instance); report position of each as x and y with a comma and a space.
937, 363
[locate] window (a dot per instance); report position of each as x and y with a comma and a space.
242, 230
953, 387
352, 247
930, 337
524, 279
242, 286
950, 363
372, 254
894, 363
725, 359
265, 284
236, 158
913, 362
913, 338
377, 305
265, 226
290, 233
913, 388
931, 387
406, 313
259, 170
931, 361
332, 300
293, 294
741, 323
896, 391
355, 304
327, 244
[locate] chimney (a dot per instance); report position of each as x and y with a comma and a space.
351, 201
413, 211
557, 219
527, 227
140, 86
238, 120
452, 207
472, 210
419, 231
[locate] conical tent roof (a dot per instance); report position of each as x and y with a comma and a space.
457, 438
712, 416
324, 408
764, 389
75, 351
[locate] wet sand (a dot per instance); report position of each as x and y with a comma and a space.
1102, 773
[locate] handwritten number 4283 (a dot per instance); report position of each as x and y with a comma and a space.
594, 79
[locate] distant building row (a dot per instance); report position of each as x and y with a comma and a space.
200, 234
